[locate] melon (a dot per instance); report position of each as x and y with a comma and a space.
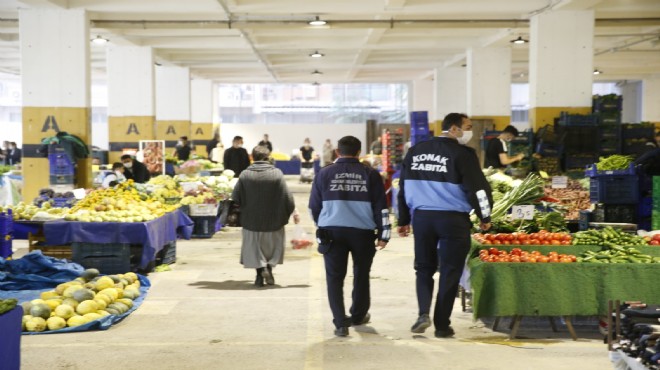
112, 311
122, 308
103, 297
83, 295
64, 311
131, 293
35, 324
37, 301
110, 292
92, 316
103, 313
49, 295
86, 307
101, 303
26, 318
115, 278
26, 307
80, 280
55, 323
76, 321
89, 274
126, 301
40, 310
70, 302
61, 288
104, 283
68, 292
53, 303
75, 282
90, 286
129, 278
131, 275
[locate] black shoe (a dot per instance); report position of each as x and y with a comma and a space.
341, 331
444, 333
259, 281
267, 274
422, 323
364, 321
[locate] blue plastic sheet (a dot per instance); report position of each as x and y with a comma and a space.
36, 271
152, 235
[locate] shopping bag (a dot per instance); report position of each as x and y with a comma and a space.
300, 239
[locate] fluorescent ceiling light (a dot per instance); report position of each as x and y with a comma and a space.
317, 72
316, 54
98, 40
316, 83
317, 22
519, 40
597, 71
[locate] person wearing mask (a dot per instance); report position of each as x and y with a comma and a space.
14, 154
135, 170
497, 150
212, 145
377, 146
115, 177
183, 149
348, 205
266, 142
236, 158
266, 204
328, 153
441, 183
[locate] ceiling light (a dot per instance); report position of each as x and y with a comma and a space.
316, 54
98, 40
597, 71
317, 72
519, 40
316, 83
317, 22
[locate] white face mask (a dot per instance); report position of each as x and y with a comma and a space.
128, 164
180, 143
467, 136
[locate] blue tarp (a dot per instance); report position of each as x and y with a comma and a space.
35, 271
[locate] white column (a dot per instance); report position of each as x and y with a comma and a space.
130, 81
423, 97
489, 83
172, 93
450, 91
201, 113
651, 100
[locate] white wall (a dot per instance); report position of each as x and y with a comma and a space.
423, 97
450, 91
288, 137
650, 94
632, 102
172, 93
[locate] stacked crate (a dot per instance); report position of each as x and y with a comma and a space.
615, 193
419, 127
636, 136
608, 109
392, 149
579, 131
62, 169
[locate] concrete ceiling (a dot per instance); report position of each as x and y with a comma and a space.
237, 41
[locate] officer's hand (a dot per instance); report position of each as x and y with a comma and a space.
485, 226
404, 231
381, 244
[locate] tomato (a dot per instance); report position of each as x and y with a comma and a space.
553, 259
562, 256
532, 260
492, 258
565, 242
654, 242
573, 258
553, 253
486, 242
505, 259
545, 242
516, 251
568, 237
490, 237
541, 237
536, 253
483, 252
493, 251
656, 237
516, 242
504, 253
477, 235
565, 260
515, 259
543, 259
506, 242
555, 242
524, 258
534, 242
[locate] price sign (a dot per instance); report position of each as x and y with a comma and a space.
559, 182
522, 212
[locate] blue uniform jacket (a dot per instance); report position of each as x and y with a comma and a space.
350, 194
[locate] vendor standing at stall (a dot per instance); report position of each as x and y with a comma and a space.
266, 142
115, 177
236, 158
497, 151
135, 170
183, 149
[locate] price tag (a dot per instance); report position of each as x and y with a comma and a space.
522, 212
559, 182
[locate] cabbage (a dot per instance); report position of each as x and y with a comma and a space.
229, 173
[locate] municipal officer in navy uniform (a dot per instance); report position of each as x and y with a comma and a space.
349, 207
441, 183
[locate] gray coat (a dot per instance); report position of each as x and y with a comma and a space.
264, 198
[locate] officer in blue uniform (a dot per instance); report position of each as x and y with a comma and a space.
441, 183
349, 207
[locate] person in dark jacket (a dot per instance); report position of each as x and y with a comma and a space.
266, 142
135, 170
497, 151
266, 204
212, 145
236, 158
348, 204
183, 149
441, 182
14, 154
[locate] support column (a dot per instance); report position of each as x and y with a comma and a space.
131, 101
489, 85
172, 104
450, 93
423, 97
201, 109
55, 76
561, 65
650, 106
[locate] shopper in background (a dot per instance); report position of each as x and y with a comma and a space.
377, 146
217, 153
265, 142
115, 177
441, 183
213, 143
14, 154
135, 170
348, 203
307, 154
4, 153
266, 204
497, 151
236, 158
328, 153
183, 149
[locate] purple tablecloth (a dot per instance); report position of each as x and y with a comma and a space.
10, 349
152, 235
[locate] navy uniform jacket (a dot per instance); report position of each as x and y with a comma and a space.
350, 194
442, 175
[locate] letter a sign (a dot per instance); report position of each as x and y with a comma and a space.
170, 130
199, 131
50, 124
132, 128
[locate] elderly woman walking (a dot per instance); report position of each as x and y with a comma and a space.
266, 204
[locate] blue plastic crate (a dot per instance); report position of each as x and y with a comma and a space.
645, 207
637, 131
578, 162
616, 213
566, 119
60, 163
614, 189
167, 255
204, 226
592, 171
62, 179
419, 121
549, 150
600, 104
113, 258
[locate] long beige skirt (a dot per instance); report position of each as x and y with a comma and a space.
261, 248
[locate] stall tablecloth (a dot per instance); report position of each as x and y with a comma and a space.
152, 235
10, 350
293, 167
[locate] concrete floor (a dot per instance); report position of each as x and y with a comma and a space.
206, 314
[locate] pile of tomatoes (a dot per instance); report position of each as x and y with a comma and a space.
654, 240
517, 255
541, 238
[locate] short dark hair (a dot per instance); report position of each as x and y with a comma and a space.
349, 146
237, 138
126, 156
117, 165
260, 153
453, 119
184, 138
511, 130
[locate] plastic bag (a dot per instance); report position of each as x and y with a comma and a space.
300, 239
